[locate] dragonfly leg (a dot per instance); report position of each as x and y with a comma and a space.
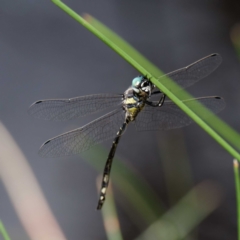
108, 165
160, 102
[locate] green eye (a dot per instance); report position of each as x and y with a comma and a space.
136, 81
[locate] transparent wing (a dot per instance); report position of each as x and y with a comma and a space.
81, 139
170, 116
66, 109
189, 75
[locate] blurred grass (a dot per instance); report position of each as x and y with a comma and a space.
235, 38
237, 184
178, 222
4, 232
143, 200
24, 192
140, 202
173, 224
176, 169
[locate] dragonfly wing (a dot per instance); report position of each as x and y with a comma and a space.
170, 116
189, 75
66, 109
81, 139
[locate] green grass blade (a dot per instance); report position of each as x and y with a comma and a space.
101, 36
183, 217
126, 47
237, 183
4, 232
166, 85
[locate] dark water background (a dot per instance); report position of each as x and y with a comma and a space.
46, 54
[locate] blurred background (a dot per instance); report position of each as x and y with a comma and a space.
45, 54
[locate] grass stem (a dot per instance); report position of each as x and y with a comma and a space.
237, 184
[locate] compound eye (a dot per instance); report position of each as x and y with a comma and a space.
136, 82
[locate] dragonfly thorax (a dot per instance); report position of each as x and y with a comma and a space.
131, 105
135, 96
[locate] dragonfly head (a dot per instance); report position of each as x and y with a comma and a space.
142, 86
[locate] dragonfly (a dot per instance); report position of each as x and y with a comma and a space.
135, 105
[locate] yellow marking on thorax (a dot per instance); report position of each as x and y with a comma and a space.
132, 112
130, 101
